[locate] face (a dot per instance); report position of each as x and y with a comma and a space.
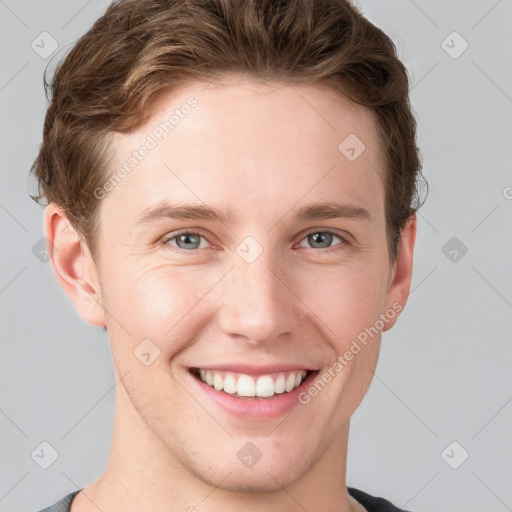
280, 267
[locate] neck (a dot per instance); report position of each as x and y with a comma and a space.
144, 474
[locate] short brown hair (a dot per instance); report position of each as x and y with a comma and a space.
139, 48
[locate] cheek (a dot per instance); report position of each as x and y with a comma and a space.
157, 302
345, 300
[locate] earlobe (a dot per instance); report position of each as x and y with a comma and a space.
400, 284
73, 266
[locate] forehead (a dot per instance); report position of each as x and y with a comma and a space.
245, 143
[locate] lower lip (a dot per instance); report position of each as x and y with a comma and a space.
255, 407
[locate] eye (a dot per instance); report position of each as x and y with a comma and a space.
190, 241
186, 241
323, 239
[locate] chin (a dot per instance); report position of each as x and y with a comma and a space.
268, 474
256, 481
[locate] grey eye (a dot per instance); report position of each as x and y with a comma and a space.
187, 241
321, 239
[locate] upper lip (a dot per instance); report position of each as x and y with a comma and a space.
254, 370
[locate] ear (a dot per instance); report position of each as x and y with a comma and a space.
400, 279
73, 266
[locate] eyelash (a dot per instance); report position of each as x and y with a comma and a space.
167, 239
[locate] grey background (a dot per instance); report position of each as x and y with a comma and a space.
444, 370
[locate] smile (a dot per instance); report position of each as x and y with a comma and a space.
243, 385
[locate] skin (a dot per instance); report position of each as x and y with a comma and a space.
262, 151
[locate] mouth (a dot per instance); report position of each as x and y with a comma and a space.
253, 387
258, 394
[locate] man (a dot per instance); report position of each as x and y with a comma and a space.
230, 192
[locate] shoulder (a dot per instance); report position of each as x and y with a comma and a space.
63, 505
373, 503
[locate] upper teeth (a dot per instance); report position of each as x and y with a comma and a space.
247, 385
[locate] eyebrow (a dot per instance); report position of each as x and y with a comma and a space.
313, 211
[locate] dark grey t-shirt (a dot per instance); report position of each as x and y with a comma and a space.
370, 503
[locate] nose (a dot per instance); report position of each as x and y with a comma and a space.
258, 303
